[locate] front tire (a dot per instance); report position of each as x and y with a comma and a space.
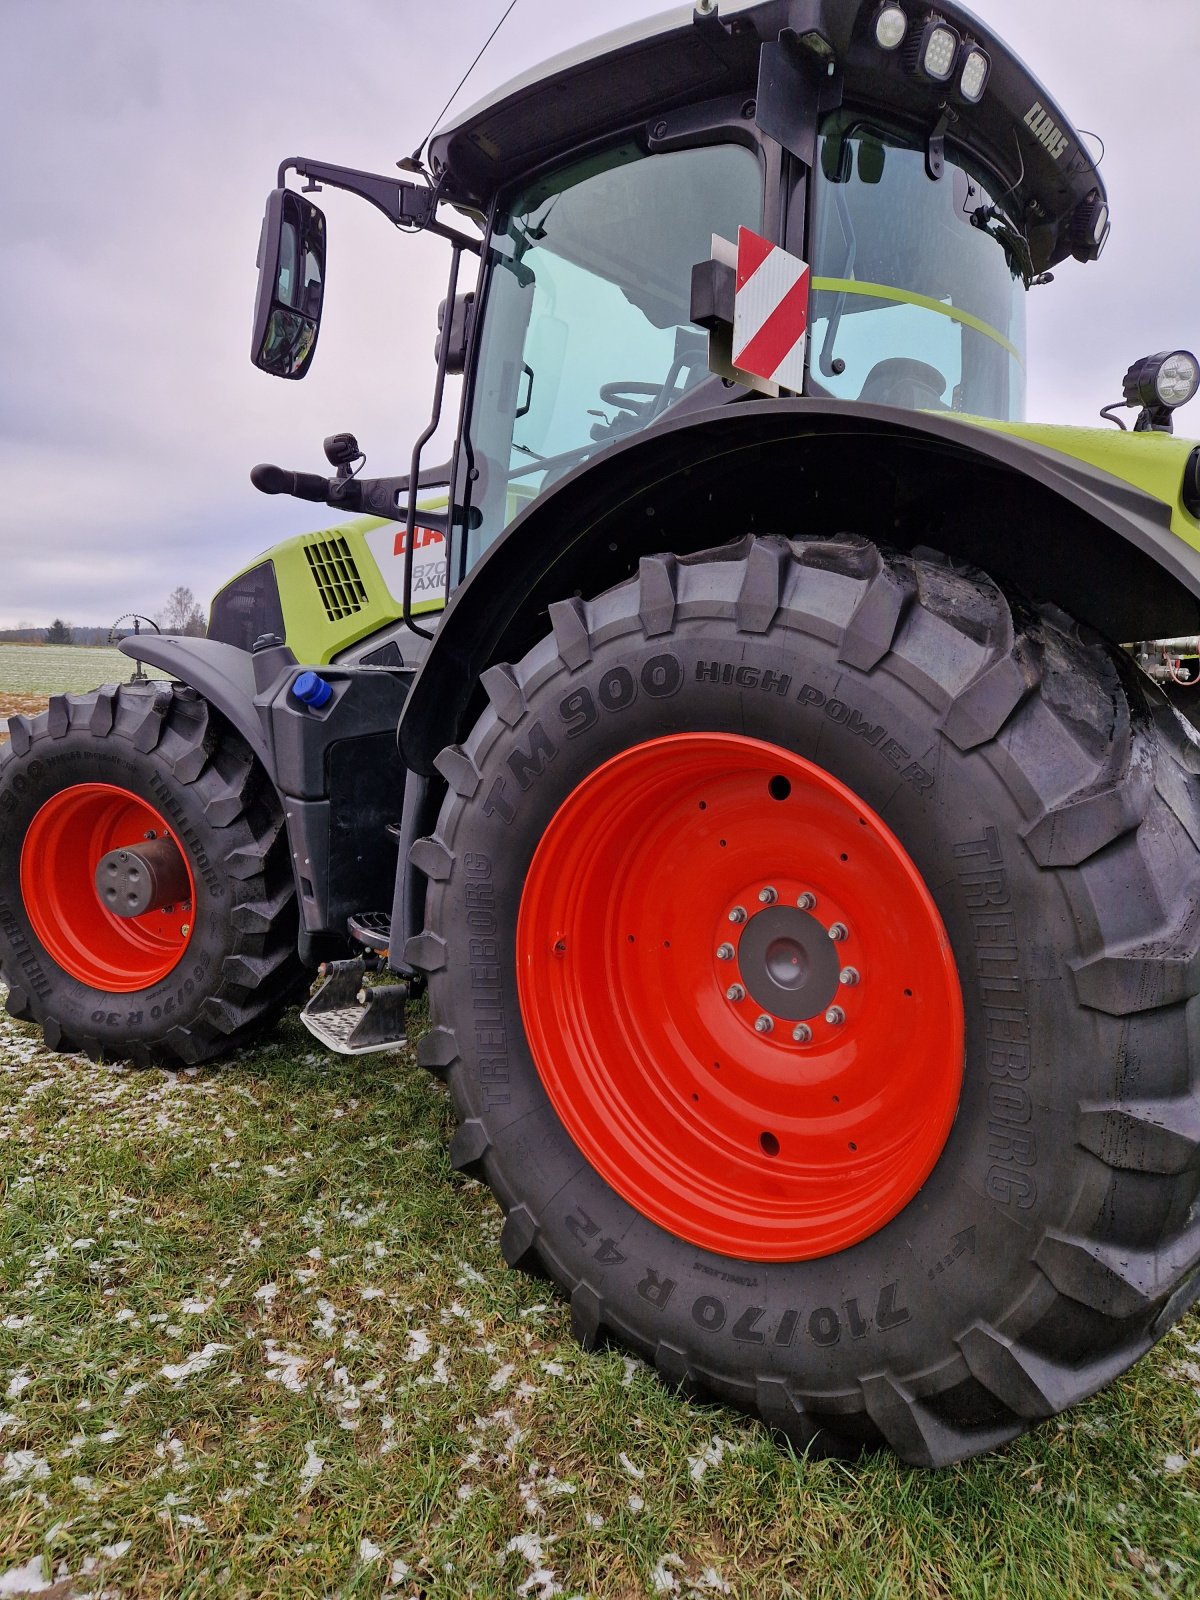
1045, 798
182, 983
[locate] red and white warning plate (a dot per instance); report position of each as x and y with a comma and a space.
770, 312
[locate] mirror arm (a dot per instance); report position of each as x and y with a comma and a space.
404, 204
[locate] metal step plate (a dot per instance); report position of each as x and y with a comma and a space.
354, 1018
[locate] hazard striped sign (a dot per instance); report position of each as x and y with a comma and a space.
770, 312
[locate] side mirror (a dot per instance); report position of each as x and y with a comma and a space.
458, 335
291, 284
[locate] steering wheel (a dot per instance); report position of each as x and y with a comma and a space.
637, 398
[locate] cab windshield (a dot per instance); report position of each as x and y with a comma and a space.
587, 332
918, 286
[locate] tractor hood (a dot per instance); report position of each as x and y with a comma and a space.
638, 74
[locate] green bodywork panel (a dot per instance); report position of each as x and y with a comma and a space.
332, 590
1151, 462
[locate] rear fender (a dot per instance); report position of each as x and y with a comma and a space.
1051, 526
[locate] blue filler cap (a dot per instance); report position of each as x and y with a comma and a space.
312, 690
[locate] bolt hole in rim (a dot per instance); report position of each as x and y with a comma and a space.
623, 1030
64, 843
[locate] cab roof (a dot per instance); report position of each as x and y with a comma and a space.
641, 73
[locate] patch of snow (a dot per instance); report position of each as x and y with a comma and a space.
198, 1361
368, 1551
313, 1464
195, 1308
663, 1579
712, 1456
287, 1367
500, 1377
634, 1472
29, 1579
419, 1345
22, 1464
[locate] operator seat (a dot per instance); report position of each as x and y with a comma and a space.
901, 381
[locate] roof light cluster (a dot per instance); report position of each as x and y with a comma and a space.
934, 50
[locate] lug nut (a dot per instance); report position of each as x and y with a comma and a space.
150, 834
738, 914
839, 931
768, 896
764, 1025
802, 1033
724, 952
735, 992
848, 976
835, 1016
807, 902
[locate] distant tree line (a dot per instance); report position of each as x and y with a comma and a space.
181, 614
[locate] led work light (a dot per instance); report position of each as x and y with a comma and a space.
1090, 227
1169, 379
891, 25
938, 50
975, 75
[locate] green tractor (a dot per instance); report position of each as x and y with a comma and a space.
738, 737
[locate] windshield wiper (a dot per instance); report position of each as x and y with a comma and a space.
830, 365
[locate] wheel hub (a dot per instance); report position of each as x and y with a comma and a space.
739, 997
787, 962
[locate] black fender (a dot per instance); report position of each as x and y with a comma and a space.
1045, 524
222, 673
337, 771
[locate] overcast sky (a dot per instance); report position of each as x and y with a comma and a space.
141, 138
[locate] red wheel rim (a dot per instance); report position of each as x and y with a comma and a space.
62, 849
631, 947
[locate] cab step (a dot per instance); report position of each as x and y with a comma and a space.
354, 1017
372, 929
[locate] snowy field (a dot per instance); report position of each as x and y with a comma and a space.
30, 673
45, 669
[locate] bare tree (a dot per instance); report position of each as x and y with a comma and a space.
182, 614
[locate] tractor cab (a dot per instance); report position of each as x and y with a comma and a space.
917, 174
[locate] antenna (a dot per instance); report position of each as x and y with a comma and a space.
414, 163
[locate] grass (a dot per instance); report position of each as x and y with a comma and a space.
257, 1340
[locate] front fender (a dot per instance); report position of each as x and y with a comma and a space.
222, 673
1055, 527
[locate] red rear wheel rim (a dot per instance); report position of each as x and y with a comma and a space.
59, 857
731, 1131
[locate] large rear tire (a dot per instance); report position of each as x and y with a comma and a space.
869, 1235
100, 772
